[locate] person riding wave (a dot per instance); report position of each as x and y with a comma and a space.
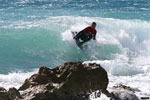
87, 34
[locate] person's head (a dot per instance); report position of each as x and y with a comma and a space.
93, 25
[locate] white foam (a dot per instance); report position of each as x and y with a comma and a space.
126, 34
118, 68
14, 79
140, 82
137, 79
130, 36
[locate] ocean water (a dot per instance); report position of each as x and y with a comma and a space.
36, 33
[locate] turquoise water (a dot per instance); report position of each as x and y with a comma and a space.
34, 33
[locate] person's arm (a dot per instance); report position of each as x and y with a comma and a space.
94, 36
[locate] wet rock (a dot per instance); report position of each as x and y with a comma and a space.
2, 89
70, 81
122, 92
12, 94
3, 94
121, 86
124, 95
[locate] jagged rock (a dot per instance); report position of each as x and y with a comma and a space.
71, 81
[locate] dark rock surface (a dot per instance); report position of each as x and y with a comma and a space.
11, 94
70, 81
3, 94
122, 92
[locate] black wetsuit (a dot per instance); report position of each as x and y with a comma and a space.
84, 37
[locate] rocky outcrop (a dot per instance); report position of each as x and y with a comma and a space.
122, 92
11, 94
70, 81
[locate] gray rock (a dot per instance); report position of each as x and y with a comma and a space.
14, 94
124, 95
122, 92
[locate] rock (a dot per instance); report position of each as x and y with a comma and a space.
2, 89
70, 81
121, 86
12, 94
3, 94
122, 92
124, 95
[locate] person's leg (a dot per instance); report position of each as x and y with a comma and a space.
79, 35
86, 38
83, 37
